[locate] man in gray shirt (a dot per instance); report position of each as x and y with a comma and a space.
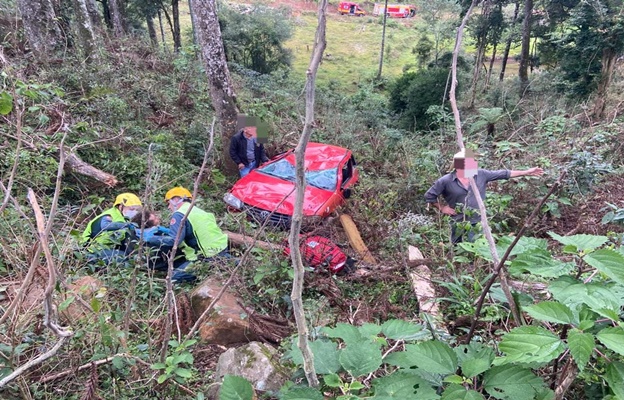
461, 203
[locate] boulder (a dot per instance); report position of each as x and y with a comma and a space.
228, 322
256, 362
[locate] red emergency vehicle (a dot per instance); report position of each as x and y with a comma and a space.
395, 10
350, 8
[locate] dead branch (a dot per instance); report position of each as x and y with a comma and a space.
76, 164
244, 241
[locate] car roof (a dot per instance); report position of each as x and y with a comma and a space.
320, 156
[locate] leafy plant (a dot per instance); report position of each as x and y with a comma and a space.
179, 364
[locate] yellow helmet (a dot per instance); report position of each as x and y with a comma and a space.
178, 192
128, 200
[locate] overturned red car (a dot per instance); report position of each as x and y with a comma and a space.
268, 192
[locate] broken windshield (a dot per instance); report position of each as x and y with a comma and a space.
323, 179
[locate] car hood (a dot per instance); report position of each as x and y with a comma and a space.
267, 192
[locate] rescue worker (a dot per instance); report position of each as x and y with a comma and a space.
199, 237
106, 236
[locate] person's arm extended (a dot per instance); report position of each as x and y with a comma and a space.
535, 171
432, 195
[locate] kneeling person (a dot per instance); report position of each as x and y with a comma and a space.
199, 235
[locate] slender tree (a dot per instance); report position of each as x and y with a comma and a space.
117, 16
523, 71
177, 37
221, 88
510, 38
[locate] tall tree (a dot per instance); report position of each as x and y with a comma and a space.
40, 25
523, 70
222, 91
509, 41
94, 15
177, 37
117, 17
440, 20
88, 39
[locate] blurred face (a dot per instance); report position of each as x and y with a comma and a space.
154, 219
130, 212
174, 203
250, 132
465, 167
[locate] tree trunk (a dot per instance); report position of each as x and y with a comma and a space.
221, 89
88, 39
508, 45
162, 31
151, 29
608, 65
177, 40
94, 15
40, 25
383, 40
523, 72
300, 184
489, 74
107, 15
481, 44
117, 13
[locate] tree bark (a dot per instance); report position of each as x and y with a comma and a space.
481, 43
608, 65
88, 39
151, 30
41, 26
300, 184
523, 71
221, 88
117, 12
177, 40
383, 40
489, 73
94, 15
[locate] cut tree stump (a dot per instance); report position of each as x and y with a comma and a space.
356, 240
421, 283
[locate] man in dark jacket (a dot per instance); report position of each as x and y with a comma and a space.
246, 151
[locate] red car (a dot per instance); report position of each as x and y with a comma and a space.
268, 191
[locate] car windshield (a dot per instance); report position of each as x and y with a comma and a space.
323, 179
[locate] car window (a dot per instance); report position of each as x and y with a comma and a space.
323, 179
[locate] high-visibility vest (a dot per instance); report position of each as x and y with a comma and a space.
104, 239
210, 238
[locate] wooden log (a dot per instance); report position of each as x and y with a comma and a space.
356, 240
245, 241
421, 283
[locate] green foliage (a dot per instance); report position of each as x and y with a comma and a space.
255, 39
413, 93
179, 364
235, 388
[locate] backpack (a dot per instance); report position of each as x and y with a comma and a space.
318, 252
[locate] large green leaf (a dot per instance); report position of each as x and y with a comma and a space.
235, 388
572, 292
613, 338
403, 386
360, 358
609, 262
325, 357
551, 311
512, 382
6, 103
581, 345
529, 344
347, 332
581, 242
431, 356
302, 393
457, 392
398, 329
541, 263
615, 378
369, 330
474, 358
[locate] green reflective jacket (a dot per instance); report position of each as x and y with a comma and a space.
210, 238
104, 239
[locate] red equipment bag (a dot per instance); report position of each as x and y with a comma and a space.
318, 251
